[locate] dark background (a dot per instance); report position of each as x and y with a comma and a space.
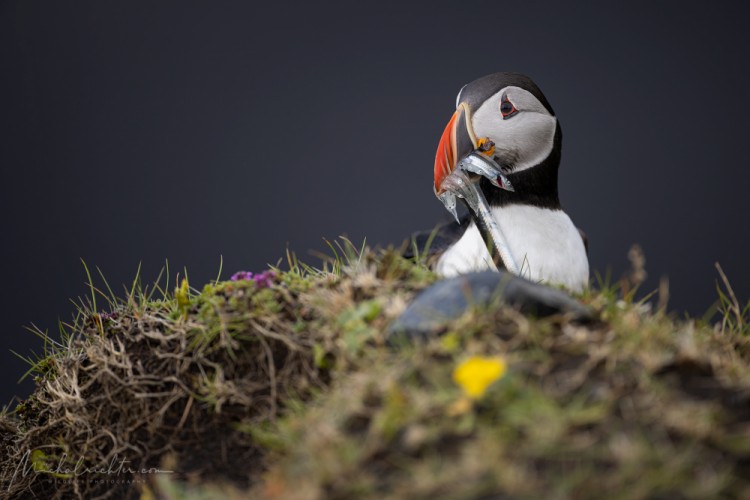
144, 131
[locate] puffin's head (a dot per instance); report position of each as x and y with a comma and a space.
509, 110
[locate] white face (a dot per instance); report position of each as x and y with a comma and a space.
523, 138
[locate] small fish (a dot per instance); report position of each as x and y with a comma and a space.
479, 164
459, 185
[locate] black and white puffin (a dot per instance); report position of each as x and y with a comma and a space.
509, 110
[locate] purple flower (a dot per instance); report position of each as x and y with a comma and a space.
264, 279
242, 275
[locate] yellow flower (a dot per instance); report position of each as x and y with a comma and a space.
477, 373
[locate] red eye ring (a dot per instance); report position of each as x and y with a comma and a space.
507, 108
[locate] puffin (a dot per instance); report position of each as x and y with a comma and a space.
500, 154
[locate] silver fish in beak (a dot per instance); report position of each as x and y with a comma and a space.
460, 180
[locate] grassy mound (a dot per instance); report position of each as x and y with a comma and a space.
286, 388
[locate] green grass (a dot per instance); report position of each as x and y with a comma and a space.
293, 392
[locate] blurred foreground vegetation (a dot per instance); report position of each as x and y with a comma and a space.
289, 388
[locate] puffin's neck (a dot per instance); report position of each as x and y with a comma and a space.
533, 186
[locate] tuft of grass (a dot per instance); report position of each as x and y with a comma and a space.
735, 319
292, 391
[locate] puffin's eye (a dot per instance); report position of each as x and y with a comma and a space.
507, 108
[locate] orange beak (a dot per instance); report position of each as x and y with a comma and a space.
456, 142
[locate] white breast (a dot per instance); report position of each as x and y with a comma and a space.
544, 242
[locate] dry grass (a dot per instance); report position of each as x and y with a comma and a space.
292, 392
